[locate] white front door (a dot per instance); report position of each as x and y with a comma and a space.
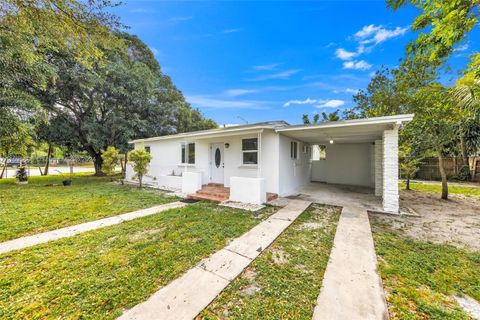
216, 162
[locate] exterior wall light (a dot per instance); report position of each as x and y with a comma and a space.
331, 141
227, 145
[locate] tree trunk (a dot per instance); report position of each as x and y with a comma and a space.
124, 166
465, 165
407, 187
4, 168
98, 161
47, 165
140, 178
443, 174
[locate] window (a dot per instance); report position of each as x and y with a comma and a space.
147, 148
319, 152
306, 148
294, 150
250, 151
188, 153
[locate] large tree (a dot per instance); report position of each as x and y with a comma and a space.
446, 23
125, 97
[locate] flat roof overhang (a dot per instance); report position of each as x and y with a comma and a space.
345, 131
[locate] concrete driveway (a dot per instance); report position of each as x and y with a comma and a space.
340, 195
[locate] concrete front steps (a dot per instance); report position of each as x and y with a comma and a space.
216, 192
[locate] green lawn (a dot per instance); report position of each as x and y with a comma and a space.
419, 277
437, 188
39, 207
284, 281
96, 275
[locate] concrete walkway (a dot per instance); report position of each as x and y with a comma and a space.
351, 287
187, 296
29, 241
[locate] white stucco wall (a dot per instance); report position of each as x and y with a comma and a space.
248, 190
292, 173
345, 164
166, 158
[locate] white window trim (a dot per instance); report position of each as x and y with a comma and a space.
187, 164
248, 165
296, 148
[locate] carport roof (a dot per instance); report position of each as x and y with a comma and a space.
345, 131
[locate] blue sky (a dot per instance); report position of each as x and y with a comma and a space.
254, 61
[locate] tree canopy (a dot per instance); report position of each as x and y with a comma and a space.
67, 70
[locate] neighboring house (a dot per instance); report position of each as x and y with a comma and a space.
277, 158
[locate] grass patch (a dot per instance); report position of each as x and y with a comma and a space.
98, 274
39, 207
285, 280
437, 188
419, 277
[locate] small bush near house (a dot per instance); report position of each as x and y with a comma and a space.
110, 160
140, 159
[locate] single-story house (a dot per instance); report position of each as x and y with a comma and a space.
255, 161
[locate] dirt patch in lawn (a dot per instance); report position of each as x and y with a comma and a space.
455, 221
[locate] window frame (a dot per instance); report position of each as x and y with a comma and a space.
294, 150
185, 153
253, 151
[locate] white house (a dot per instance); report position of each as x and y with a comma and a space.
245, 162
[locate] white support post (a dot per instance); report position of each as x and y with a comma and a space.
378, 167
390, 171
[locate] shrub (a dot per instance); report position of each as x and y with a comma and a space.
21, 174
110, 160
140, 159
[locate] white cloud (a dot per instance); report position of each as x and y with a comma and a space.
279, 75
239, 92
214, 103
367, 31
231, 30
344, 54
357, 65
331, 104
271, 66
306, 101
349, 90
142, 10
378, 34
179, 19
367, 38
462, 47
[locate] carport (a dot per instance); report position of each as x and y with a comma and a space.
362, 153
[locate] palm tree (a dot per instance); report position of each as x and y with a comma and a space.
332, 116
466, 93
